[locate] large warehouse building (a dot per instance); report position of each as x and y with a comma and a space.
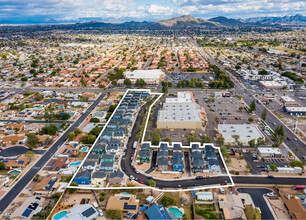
246, 132
181, 112
151, 77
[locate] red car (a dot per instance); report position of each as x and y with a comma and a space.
141, 182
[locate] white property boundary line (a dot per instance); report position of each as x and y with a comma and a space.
142, 140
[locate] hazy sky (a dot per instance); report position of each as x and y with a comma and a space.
22, 11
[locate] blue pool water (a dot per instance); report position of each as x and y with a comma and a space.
60, 215
125, 194
84, 149
14, 171
76, 163
176, 212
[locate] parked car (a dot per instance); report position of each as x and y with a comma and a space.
141, 182
199, 177
271, 194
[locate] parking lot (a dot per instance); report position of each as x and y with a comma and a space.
261, 166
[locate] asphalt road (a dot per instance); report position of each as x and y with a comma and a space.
35, 121
17, 150
259, 201
22, 183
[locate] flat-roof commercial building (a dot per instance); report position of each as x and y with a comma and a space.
295, 110
272, 84
151, 77
180, 115
246, 132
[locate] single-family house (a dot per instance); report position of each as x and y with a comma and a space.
98, 178
83, 178
115, 178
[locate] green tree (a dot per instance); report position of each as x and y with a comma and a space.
236, 138
49, 118
167, 201
220, 141
140, 83
152, 183
94, 120
296, 163
71, 136
32, 140
65, 116
127, 82
155, 138
95, 131
264, 114
260, 141
38, 97
253, 106
77, 131
50, 130
250, 119
2, 165
273, 167
36, 178
205, 139
252, 142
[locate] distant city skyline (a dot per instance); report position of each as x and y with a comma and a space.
52, 11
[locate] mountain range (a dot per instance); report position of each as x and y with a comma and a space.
190, 21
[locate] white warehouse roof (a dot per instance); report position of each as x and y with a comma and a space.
145, 74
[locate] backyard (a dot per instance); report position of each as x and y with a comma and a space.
207, 211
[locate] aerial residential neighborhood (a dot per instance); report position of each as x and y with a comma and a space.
164, 112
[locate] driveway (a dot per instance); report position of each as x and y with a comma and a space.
17, 150
258, 199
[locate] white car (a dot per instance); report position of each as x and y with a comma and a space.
271, 194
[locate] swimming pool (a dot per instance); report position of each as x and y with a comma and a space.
176, 212
125, 194
75, 163
14, 171
84, 149
60, 215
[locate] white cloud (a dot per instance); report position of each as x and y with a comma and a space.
159, 10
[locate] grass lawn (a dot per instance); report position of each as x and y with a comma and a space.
207, 211
188, 212
250, 212
175, 196
4, 171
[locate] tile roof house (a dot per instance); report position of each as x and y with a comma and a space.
59, 163
46, 185
18, 138
27, 209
